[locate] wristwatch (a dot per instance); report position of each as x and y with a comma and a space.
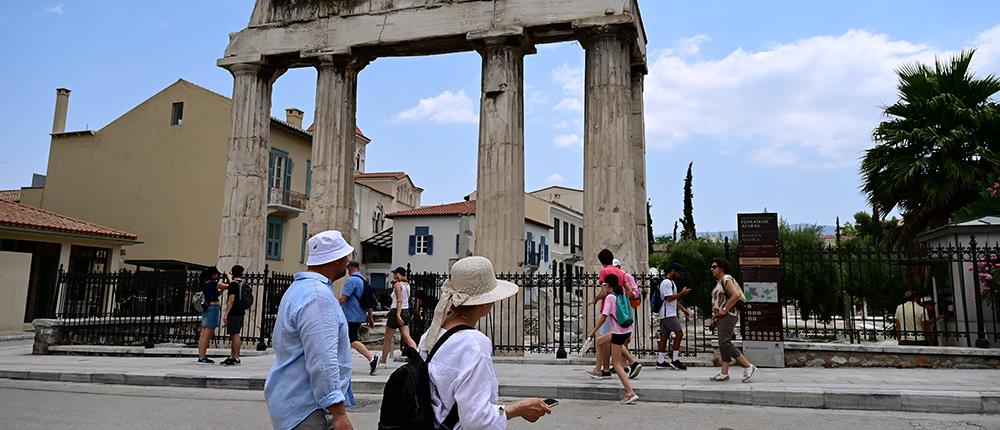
503, 410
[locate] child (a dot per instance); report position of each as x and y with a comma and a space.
619, 335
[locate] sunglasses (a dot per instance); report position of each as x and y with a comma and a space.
715, 266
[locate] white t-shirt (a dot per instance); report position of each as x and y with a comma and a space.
463, 369
669, 308
405, 288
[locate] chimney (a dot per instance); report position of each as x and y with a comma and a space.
62, 106
293, 116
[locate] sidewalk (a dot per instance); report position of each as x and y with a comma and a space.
916, 390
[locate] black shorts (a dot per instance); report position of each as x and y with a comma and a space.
392, 322
620, 339
234, 324
352, 331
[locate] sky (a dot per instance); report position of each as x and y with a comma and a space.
773, 101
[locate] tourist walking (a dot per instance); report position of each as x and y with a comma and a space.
618, 309
212, 285
727, 299
602, 342
309, 384
356, 315
235, 314
398, 317
464, 387
668, 319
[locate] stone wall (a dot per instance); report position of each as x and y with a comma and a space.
840, 355
52, 332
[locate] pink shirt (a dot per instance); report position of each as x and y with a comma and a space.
611, 310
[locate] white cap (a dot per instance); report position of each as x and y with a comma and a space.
326, 247
616, 263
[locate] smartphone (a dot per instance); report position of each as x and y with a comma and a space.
551, 402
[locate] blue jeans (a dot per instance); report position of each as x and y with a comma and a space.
211, 318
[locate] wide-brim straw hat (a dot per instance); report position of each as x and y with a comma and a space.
473, 282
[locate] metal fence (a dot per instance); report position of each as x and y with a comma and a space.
147, 308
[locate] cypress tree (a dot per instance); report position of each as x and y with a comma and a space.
688, 221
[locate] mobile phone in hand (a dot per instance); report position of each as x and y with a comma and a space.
551, 402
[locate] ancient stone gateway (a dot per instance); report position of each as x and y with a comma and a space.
340, 37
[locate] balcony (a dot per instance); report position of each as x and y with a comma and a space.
284, 202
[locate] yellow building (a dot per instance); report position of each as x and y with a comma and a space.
159, 170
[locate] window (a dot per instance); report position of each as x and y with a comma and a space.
566, 233
378, 219
309, 178
302, 247
357, 210
279, 171
274, 231
572, 237
177, 114
357, 162
421, 241
556, 227
581, 239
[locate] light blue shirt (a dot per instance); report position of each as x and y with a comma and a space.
353, 290
312, 353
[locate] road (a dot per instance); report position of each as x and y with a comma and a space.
57, 405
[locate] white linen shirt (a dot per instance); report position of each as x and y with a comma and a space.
463, 369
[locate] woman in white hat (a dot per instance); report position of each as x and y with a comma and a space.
461, 370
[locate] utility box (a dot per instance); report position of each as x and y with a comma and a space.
765, 353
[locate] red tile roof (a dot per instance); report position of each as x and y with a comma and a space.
357, 130
381, 175
460, 208
21, 216
10, 195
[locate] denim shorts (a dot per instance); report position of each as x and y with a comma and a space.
211, 317
605, 328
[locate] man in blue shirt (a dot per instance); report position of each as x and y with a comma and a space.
350, 300
309, 385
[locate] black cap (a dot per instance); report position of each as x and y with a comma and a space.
399, 270
676, 266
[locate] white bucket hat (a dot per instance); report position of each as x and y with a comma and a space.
326, 247
617, 263
473, 282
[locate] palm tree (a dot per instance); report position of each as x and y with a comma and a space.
938, 148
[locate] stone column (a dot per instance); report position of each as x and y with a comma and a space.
500, 184
637, 140
244, 212
331, 203
609, 195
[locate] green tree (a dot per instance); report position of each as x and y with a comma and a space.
687, 222
807, 278
937, 149
696, 257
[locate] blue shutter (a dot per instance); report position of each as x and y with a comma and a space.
270, 171
305, 237
430, 245
309, 178
413, 244
555, 225
288, 173
546, 253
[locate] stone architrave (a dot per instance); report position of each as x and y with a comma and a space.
500, 183
609, 198
637, 136
331, 203
244, 212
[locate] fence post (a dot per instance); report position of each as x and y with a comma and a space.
561, 353
981, 341
151, 307
60, 293
265, 328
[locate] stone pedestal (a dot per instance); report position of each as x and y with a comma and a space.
500, 179
609, 195
331, 203
637, 153
244, 212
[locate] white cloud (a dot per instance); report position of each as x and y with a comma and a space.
446, 108
567, 140
561, 125
814, 98
692, 45
58, 9
571, 104
555, 179
570, 79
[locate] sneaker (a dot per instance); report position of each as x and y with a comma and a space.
231, 362
630, 399
634, 369
677, 365
664, 365
598, 375
205, 360
719, 378
606, 374
373, 364
749, 372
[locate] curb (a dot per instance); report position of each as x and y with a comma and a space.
953, 402
16, 337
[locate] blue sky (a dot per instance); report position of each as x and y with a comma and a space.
773, 101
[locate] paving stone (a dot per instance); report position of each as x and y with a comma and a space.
228, 383
862, 399
991, 403
948, 402
75, 377
144, 380
799, 398
108, 378
185, 381
44, 376
13, 374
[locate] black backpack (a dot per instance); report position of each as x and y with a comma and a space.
245, 297
367, 299
406, 401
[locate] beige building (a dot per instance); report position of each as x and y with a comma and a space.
34, 245
160, 169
